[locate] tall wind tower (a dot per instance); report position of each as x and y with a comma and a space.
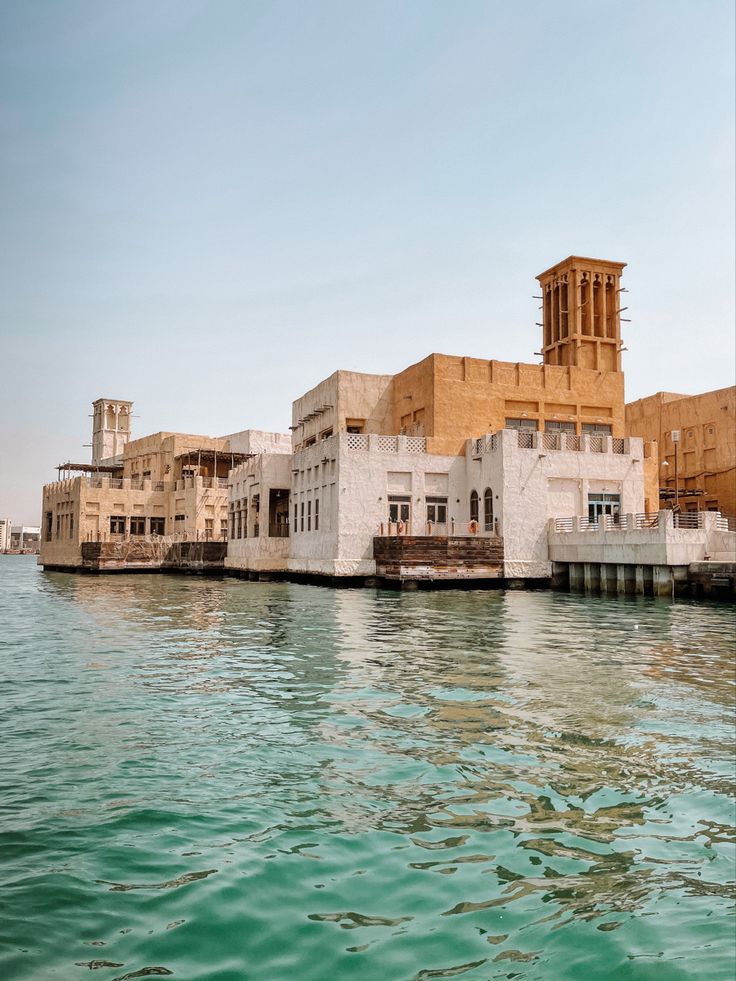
581, 301
110, 428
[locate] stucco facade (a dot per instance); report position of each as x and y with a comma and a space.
706, 455
351, 487
259, 514
162, 487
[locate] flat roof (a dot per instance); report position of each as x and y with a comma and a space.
575, 260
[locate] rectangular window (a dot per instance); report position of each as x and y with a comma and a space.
399, 509
326, 433
301, 513
437, 510
604, 504
117, 524
309, 515
316, 514
137, 526
521, 424
596, 428
311, 441
157, 526
179, 517
71, 526
209, 528
49, 525
296, 517
555, 426
223, 528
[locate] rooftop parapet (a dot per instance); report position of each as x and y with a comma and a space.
543, 442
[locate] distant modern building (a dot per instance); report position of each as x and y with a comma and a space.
26, 538
700, 469
5, 534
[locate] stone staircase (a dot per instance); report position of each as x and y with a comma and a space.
415, 557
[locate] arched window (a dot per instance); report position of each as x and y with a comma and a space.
488, 510
474, 505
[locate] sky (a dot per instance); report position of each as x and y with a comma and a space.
208, 206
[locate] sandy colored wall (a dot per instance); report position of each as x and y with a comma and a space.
458, 398
344, 396
258, 476
707, 449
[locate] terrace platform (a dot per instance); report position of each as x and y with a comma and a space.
430, 558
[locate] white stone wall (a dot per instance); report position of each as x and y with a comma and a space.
538, 482
340, 489
345, 395
258, 441
353, 476
626, 544
257, 477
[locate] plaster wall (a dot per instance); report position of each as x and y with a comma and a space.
353, 479
258, 441
707, 448
339, 401
533, 484
627, 545
457, 398
81, 509
255, 479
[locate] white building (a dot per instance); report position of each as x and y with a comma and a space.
351, 497
6, 528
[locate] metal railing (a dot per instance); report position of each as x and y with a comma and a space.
648, 519
688, 519
564, 524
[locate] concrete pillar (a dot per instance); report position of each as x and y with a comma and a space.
639, 580
621, 579
662, 580
592, 576
577, 576
609, 579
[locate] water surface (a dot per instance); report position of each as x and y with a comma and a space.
207, 779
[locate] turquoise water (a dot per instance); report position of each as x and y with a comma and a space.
230, 780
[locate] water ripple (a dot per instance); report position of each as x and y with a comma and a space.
226, 780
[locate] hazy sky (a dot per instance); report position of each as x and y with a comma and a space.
207, 207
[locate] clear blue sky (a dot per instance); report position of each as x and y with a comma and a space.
209, 206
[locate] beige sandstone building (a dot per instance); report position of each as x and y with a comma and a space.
704, 467
163, 488
454, 468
